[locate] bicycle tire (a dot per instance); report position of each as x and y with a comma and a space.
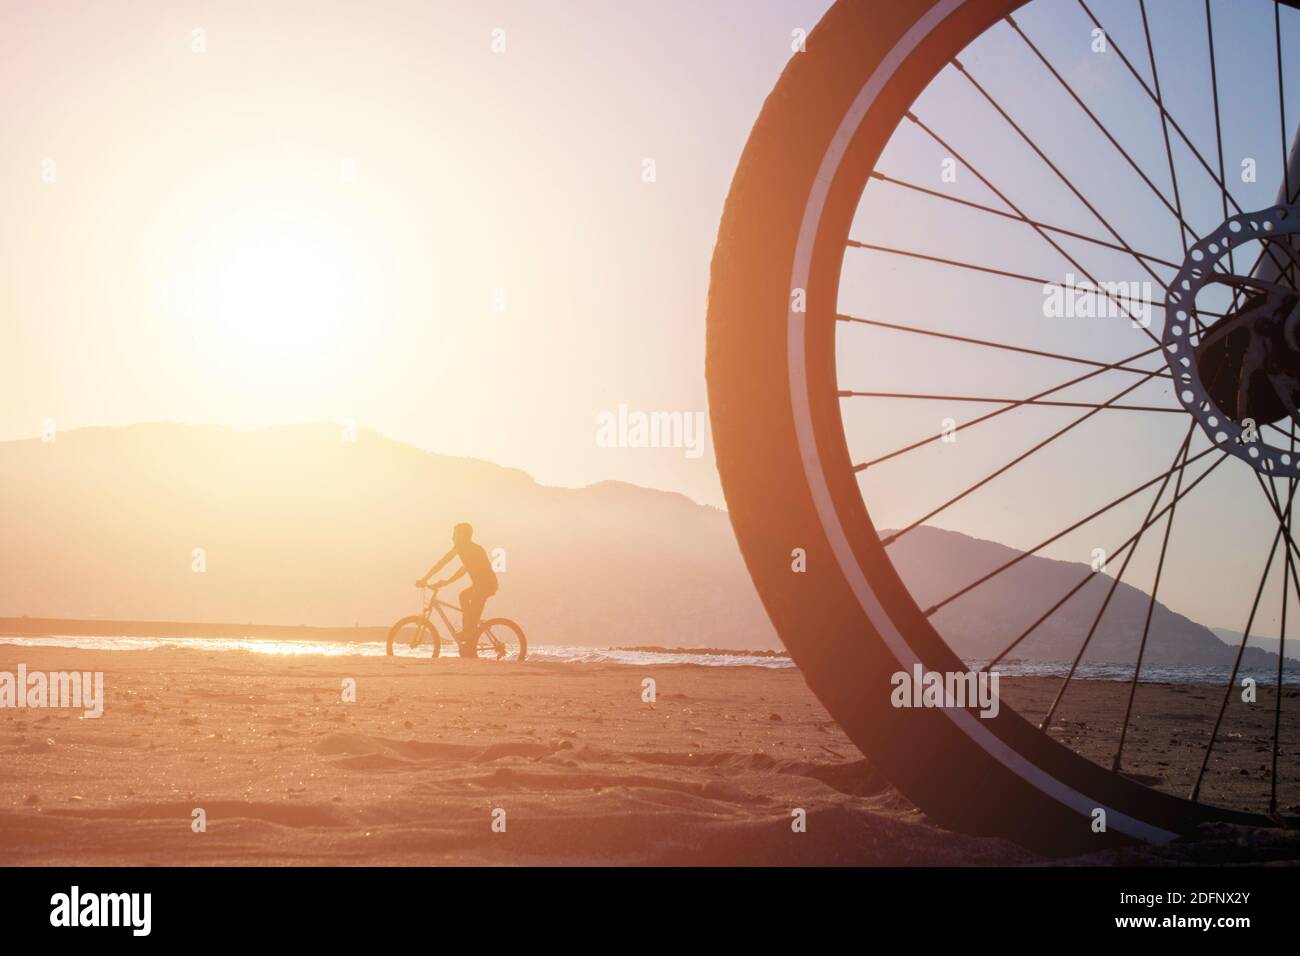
785, 468
423, 626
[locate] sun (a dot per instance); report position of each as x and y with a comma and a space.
281, 297
273, 304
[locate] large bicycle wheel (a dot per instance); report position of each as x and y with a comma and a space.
413, 636
930, 170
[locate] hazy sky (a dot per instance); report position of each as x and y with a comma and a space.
305, 211
434, 220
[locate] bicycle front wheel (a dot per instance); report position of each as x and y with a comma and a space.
413, 636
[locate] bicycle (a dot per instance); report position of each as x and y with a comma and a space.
501, 637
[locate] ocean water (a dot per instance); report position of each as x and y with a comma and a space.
543, 652
1151, 673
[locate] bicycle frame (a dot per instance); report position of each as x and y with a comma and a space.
435, 604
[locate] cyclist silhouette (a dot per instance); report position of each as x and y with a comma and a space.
483, 583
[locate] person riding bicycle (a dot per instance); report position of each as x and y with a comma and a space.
474, 561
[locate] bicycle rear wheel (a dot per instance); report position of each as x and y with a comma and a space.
413, 636
502, 639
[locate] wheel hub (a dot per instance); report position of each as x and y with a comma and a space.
1240, 372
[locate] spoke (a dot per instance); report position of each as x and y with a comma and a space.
1285, 524
1015, 461
1036, 280
1288, 271
1218, 125
1031, 222
998, 345
1219, 181
1289, 577
1278, 690
1268, 247
1001, 411
855, 244
1276, 429
934, 608
1019, 212
1099, 406
1281, 100
1146, 625
1059, 175
1132, 543
1236, 664
1283, 519
1174, 211
1183, 228
1079, 657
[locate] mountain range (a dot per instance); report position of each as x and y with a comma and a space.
308, 525
935, 563
296, 525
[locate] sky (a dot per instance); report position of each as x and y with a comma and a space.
439, 221
485, 228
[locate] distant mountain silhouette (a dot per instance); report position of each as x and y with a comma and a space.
300, 527
1270, 644
935, 563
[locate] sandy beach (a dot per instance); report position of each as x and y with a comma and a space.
578, 768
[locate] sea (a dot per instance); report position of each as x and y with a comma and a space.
559, 653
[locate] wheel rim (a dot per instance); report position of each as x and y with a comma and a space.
818, 423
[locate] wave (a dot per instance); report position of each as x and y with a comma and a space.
709, 657
543, 652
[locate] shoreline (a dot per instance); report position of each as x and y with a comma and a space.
25, 626
283, 640
53, 628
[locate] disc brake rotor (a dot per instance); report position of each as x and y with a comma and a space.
1242, 372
